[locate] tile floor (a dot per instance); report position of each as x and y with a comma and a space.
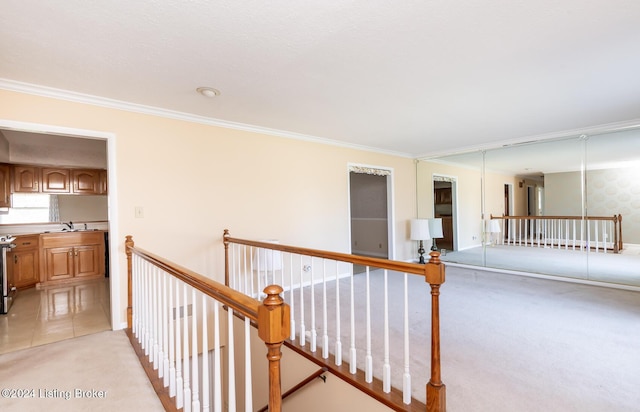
41, 316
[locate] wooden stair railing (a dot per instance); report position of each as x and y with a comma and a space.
433, 273
271, 317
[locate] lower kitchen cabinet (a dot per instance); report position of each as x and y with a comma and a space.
75, 255
23, 262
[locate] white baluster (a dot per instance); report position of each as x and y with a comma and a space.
179, 355
352, 347
153, 357
195, 403
338, 350
292, 298
185, 355
303, 331
595, 226
248, 388
406, 377
231, 361
146, 310
314, 334
254, 293
368, 370
386, 367
325, 329
205, 354
172, 336
161, 323
136, 290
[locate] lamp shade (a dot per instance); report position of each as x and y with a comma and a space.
420, 229
494, 226
435, 228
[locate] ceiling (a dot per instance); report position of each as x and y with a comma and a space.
413, 78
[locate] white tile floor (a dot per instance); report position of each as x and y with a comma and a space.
41, 316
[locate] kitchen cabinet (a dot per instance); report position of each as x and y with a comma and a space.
55, 180
26, 179
23, 267
68, 256
5, 185
37, 179
86, 181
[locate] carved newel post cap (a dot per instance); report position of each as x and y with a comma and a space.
273, 316
273, 295
435, 257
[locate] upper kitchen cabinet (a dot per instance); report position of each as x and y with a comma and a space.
5, 185
55, 180
26, 179
86, 181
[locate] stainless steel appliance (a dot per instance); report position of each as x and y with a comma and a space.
7, 293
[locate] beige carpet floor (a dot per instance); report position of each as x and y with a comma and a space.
98, 372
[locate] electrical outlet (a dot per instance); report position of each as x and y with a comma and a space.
139, 212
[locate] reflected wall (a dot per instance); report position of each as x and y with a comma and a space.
545, 199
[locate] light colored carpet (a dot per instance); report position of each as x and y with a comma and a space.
510, 343
103, 361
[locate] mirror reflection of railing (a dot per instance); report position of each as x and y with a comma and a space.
597, 233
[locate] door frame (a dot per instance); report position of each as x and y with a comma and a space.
454, 202
352, 167
114, 278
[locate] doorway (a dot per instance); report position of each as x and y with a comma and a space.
444, 200
104, 292
370, 212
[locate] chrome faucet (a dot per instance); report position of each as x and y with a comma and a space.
69, 225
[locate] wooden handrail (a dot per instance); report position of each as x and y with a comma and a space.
433, 272
235, 300
271, 315
404, 267
613, 218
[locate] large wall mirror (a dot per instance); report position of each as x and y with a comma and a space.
568, 207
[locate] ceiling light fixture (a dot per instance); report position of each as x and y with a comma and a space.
208, 91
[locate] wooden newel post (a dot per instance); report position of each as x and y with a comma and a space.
436, 390
128, 244
225, 240
273, 329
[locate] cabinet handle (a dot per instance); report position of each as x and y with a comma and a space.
26, 243
71, 253
76, 253
36, 185
15, 259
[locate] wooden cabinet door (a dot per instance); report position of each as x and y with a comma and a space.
86, 260
59, 263
55, 180
26, 179
5, 185
86, 181
25, 268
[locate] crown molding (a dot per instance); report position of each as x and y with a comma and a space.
586, 131
50, 92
